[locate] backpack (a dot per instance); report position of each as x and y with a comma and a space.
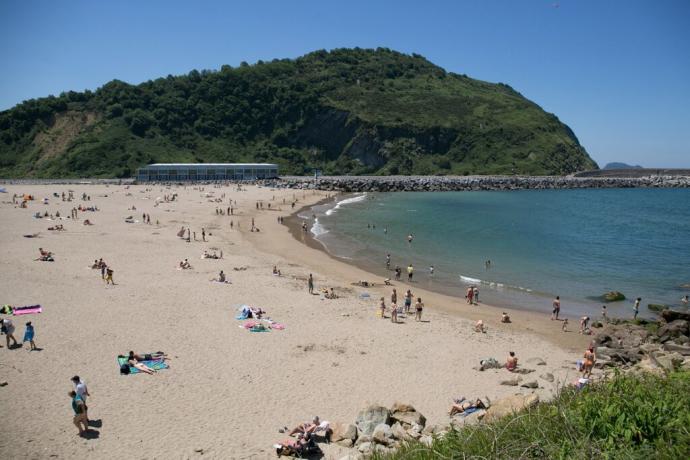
124, 369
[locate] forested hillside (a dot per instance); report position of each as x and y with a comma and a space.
347, 111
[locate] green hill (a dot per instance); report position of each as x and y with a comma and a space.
351, 111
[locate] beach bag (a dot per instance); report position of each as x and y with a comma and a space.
124, 369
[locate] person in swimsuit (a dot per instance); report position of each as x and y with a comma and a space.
556, 308
511, 362
419, 307
636, 307
134, 362
590, 359
8, 330
382, 307
584, 321
394, 313
408, 301
394, 296
461, 405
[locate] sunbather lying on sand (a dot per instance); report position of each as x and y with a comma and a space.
87, 222
308, 428
46, 256
303, 446
132, 361
158, 355
479, 327
185, 265
461, 405
58, 227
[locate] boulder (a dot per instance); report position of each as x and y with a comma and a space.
510, 404
674, 329
686, 364
426, 440
399, 432
406, 415
347, 443
532, 384
670, 362
515, 381
382, 433
613, 296
362, 439
548, 377
672, 315
343, 431
523, 371
369, 418
656, 307
365, 447
681, 349
536, 361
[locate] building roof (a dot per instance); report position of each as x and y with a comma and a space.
214, 165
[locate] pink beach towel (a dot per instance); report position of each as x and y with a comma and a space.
27, 310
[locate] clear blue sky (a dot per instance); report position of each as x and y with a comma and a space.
617, 72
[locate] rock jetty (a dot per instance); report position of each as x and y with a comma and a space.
462, 183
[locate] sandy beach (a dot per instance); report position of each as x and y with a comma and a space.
228, 390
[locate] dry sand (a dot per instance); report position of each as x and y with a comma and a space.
227, 390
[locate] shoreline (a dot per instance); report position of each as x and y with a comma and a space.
526, 321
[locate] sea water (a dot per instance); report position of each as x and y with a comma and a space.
577, 244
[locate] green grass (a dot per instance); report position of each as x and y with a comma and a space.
627, 417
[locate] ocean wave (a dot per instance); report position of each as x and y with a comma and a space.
317, 229
351, 200
467, 279
492, 284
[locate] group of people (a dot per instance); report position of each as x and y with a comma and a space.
472, 295
396, 310
7, 328
106, 271
45, 256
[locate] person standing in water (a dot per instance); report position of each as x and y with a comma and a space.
388, 261
431, 270
410, 237
487, 264
410, 272
636, 307
556, 308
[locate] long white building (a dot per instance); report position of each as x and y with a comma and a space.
172, 172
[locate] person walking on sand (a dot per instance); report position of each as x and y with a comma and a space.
475, 291
418, 307
203, 234
410, 272
79, 408
394, 296
83, 392
470, 295
556, 308
636, 307
109, 276
8, 329
382, 307
29, 336
310, 284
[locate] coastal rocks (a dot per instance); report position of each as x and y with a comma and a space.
672, 315
673, 329
515, 381
670, 362
548, 377
344, 434
368, 419
382, 434
680, 349
406, 415
532, 384
536, 361
474, 418
656, 307
509, 405
613, 296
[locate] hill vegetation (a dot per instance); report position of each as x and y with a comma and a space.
347, 111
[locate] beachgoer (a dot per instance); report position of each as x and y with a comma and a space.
479, 326
461, 405
394, 313
382, 307
203, 234
419, 307
306, 427
109, 276
470, 295
398, 272
476, 294
590, 359
134, 362
394, 296
79, 408
564, 328
584, 321
8, 329
410, 237
511, 362
604, 315
29, 336
221, 277
685, 300
276, 271
505, 318
83, 392
410, 272
487, 265
408, 301
556, 308
636, 307
431, 270
388, 261
310, 284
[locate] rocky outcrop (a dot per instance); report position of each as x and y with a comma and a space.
509, 405
369, 418
461, 183
613, 296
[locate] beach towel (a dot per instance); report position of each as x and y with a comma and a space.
27, 310
257, 328
156, 364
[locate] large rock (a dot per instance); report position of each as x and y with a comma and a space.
613, 296
399, 432
343, 431
682, 349
669, 362
509, 405
673, 329
515, 381
406, 415
672, 315
369, 418
656, 307
532, 384
382, 434
547, 376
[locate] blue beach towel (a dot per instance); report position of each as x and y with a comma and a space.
153, 364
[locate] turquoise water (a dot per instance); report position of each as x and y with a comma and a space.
574, 243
